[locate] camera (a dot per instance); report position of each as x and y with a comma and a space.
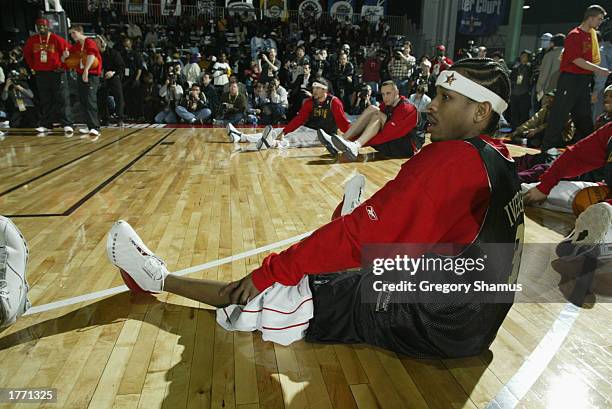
14, 75
363, 92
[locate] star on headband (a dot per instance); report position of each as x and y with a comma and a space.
450, 79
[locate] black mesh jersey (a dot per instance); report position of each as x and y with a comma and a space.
322, 116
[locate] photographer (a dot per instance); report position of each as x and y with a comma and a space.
233, 105
364, 100
150, 97
171, 93
210, 92
113, 68
276, 109
269, 66
320, 65
194, 106
400, 67
342, 78
43, 52
20, 102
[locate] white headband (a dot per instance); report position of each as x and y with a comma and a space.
318, 84
454, 81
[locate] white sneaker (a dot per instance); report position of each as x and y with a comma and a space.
233, 134
42, 129
94, 132
1, 134
68, 130
349, 148
13, 262
4, 124
352, 193
264, 140
84, 131
593, 231
141, 270
326, 140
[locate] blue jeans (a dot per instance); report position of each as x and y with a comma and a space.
234, 119
188, 116
166, 117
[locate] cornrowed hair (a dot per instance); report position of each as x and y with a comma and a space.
491, 75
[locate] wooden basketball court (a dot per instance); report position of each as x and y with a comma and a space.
194, 200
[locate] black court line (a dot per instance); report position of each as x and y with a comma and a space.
12, 189
100, 186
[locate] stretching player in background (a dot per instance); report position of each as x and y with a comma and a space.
322, 111
389, 129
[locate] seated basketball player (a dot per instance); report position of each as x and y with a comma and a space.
388, 129
322, 111
479, 184
591, 153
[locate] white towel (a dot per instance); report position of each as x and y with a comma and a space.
280, 312
561, 197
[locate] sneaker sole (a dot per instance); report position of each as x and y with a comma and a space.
264, 138
330, 147
343, 148
352, 193
25, 302
593, 224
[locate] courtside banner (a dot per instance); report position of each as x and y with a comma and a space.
499, 273
481, 17
171, 7
136, 6
374, 10
274, 8
341, 9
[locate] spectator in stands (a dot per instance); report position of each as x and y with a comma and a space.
192, 71
171, 93
520, 99
300, 90
549, 69
320, 66
113, 68
400, 67
420, 100
210, 92
150, 97
242, 89
157, 68
364, 100
269, 66
220, 72
131, 79
233, 106
342, 79
276, 109
297, 64
371, 70
194, 106
18, 96
441, 62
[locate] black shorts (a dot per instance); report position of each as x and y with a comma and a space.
416, 330
399, 148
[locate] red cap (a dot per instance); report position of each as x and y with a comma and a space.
441, 48
42, 22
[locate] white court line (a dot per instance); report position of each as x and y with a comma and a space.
116, 290
527, 375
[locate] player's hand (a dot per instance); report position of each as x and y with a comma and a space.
85, 77
534, 195
109, 74
65, 54
240, 292
594, 98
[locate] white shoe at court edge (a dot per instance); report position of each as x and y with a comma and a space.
140, 268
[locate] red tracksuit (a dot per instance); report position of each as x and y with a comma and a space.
302, 117
52, 44
89, 47
402, 121
441, 195
589, 154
